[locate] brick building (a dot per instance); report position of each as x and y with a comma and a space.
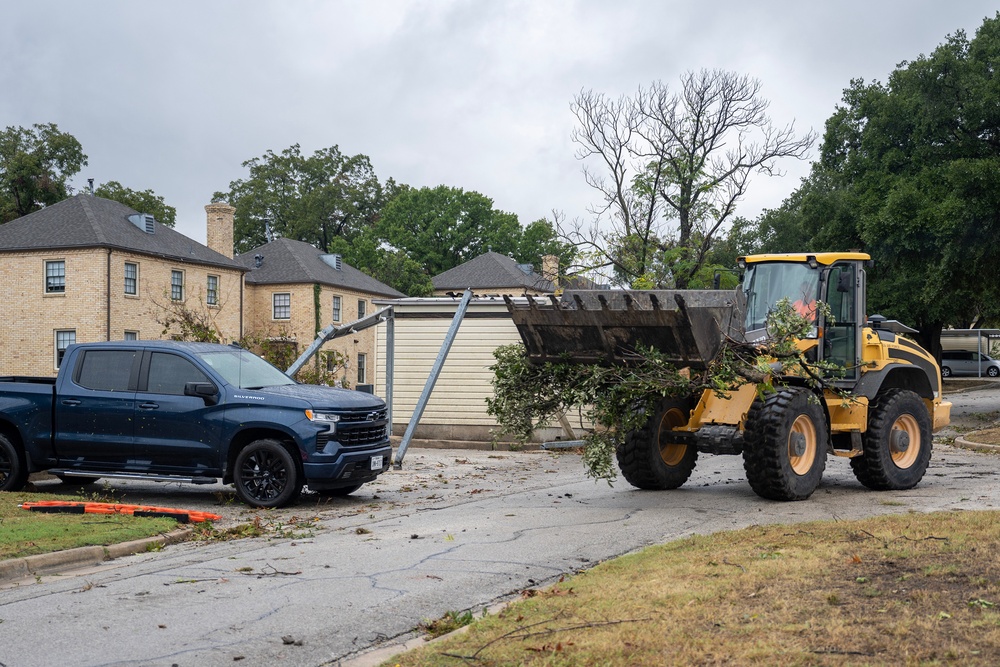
294, 290
91, 269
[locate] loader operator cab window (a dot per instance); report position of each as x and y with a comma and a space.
767, 283
840, 341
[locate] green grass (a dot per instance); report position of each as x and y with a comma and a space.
25, 533
912, 589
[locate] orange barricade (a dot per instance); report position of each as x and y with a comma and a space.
183, 516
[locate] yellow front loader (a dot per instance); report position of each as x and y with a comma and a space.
784, 436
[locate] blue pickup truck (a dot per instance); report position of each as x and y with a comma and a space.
189, 412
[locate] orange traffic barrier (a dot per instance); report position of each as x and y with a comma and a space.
183, 516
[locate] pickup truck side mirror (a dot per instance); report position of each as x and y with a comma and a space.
205, 390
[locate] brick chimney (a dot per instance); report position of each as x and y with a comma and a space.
219, 228
550, 269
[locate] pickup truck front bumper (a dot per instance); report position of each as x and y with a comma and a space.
347, 468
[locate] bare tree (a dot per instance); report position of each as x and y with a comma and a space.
670, 169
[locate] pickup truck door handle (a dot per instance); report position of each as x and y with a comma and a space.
149, 406
70, 401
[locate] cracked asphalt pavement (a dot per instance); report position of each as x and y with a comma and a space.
452, 530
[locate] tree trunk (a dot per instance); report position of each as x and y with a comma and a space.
929, 337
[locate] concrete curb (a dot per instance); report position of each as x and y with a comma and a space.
969, 444
33, 566
395, 647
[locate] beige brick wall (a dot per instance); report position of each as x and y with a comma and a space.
147, 312
32, 316
300, 327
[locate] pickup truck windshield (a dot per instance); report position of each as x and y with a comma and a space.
244, 369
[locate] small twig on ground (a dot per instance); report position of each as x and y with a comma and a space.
726, 562
885, 543
274, 572
519, 633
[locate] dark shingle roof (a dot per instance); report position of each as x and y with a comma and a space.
85, 221
289, 261
490, 271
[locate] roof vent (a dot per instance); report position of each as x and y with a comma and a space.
143, 221
257, 261
526, 269
332, 260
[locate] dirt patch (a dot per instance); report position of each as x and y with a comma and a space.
990, 436
951, 385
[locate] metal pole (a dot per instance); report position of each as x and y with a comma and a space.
333, 331
390, 363
418, 411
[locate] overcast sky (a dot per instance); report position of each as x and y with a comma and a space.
475, 94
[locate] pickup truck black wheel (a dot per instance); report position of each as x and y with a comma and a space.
265, 474
897, 445
785, 445
650, 457
339, 491
13, 472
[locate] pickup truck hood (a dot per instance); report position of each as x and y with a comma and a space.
327, 397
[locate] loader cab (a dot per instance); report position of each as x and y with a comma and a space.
835, 279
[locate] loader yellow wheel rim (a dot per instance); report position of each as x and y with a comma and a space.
904, 441
802, 445
671, 452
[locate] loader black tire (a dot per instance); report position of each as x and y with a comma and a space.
897, 445
785, 445
649, 458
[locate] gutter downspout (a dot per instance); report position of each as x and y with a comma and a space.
242, 284
108, 320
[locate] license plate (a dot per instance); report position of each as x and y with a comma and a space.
377, 462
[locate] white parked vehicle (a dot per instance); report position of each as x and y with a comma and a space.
962, 362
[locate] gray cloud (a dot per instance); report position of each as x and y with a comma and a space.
468, 93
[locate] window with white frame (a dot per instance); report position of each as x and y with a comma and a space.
336, 309
131, 278
362, 308
131, 335
281, 306
362, 368
64, 338
177, 285
55, 277
212, 291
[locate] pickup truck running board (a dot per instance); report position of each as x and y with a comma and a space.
186, 479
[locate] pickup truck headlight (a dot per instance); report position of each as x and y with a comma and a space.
323, 418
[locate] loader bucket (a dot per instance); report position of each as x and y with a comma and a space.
609, 326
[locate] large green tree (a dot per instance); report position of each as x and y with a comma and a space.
315, 198
541, 238
395, 268
35, 165
910, 172
669, 168
442, 227
145, 201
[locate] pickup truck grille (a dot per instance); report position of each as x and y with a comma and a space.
357, 429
